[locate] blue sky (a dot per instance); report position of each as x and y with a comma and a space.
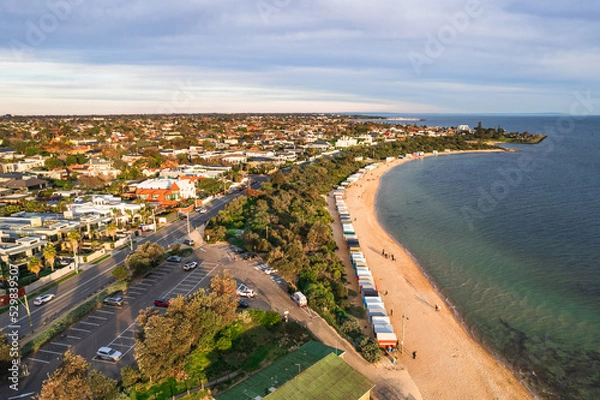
146, 56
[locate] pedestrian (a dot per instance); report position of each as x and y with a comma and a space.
383, 252
393, 258
386, 293
391, 312
437, 308
414, 355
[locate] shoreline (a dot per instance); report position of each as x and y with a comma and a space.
451, 362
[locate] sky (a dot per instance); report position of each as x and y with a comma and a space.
437, 56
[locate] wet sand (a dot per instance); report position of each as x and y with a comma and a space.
449, 363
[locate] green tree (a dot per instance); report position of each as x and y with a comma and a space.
35, 265
74, 237
120, 273
53, 162
50, 255
111, 229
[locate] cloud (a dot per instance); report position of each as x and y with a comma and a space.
357, 53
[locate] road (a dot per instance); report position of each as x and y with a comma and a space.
93, 279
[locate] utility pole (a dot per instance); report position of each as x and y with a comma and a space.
404, 317
26, 305
154, 219
188, 223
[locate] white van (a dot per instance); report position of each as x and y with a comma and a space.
300, 299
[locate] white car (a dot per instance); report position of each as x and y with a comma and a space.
38, 301
202, 210
108, 353
190, 265
245, 291
270, 270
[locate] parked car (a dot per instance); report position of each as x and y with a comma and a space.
242, 303
162, 302
38, 301
245, 291
114, 300
174, 259
202, 210
270, 270
190, 265
189, 242
108, 353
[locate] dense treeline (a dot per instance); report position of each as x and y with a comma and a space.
500, 135
287, 221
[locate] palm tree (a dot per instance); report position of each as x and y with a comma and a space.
74, 238
50, 255
35, 265
111, 229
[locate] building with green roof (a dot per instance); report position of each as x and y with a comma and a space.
313, 371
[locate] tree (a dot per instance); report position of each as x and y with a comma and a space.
35, 265
5, 356
50, 255
73, 379
74, 238
111, 229
120, 273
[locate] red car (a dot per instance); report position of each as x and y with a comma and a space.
161, 302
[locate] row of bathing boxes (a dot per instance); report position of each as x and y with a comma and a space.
376, 311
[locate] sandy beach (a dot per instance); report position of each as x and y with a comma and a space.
449, 363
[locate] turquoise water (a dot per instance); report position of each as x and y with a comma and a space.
512, 240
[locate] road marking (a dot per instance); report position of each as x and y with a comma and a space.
81, 330
89, 323
97, 317
144, 284
151, 280
73, 337
121, 345
201, 249
50, 352
21, 396
105, 361
135, 288
60, 344
38, 360
128, 297
106, 312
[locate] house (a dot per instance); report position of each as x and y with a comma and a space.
168, 192
345, 141
26, 184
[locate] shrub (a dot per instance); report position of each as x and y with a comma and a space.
369, 349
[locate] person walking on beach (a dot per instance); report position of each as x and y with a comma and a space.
414, 355
383, 252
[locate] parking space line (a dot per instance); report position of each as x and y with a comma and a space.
151, 280
73, 337
89, 323
106, 312
103, 361
95, 316
50, 352
81, 330
38, 360
136, 288
60, 344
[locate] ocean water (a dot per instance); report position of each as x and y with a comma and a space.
512, 240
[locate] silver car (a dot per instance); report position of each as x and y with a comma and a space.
108, 353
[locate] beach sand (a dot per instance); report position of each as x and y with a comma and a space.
449, 363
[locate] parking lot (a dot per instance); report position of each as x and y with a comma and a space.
115, 326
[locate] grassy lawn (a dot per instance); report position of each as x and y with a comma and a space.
254, 340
